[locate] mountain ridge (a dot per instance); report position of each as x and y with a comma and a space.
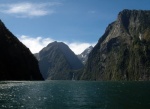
17, 62
58, 62
123, 50
84, 55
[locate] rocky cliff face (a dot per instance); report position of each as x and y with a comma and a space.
58, 62
84, 55
123, 52
16, 60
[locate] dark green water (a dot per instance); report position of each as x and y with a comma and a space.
74, 95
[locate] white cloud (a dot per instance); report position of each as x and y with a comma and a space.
35, 44
79, 47
27, 9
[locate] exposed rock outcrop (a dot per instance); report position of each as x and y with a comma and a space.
123, 52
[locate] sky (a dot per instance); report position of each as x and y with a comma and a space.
78, 23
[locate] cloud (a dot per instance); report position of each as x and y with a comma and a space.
79, 47
27, 9
35, 44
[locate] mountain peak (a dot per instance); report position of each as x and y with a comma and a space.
1, 23
52, 43
134, 18
84, 55
130, 23
57, 61
55, 43
134, 12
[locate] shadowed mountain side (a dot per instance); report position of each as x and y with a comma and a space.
16, 60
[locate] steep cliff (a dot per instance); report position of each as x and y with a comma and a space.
123, 52
16, 60
58, 62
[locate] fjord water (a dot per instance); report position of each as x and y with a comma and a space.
74, 95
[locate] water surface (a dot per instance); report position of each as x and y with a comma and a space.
74, 95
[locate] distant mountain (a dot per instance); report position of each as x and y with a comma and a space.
16, 60
84, 55
123, 52
58, 62
37, 56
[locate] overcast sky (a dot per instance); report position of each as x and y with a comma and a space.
78, 23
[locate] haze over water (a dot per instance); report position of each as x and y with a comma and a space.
74, 95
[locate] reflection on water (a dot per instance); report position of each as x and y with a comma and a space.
74, 95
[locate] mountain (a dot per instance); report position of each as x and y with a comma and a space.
123, 52
58, 62
16, 60
84, 55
